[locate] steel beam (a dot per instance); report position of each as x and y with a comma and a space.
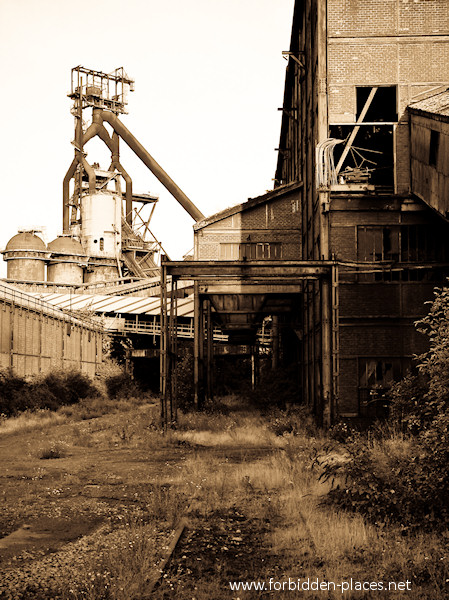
248, 269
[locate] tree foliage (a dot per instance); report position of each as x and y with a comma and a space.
411, 486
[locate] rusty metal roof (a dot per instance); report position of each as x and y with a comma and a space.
437, 105
126, 305
34, 302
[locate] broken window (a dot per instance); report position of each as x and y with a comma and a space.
378, 372
433, 147
367, 155
376, 376
402, 244
383, 106
370, 155
377, 244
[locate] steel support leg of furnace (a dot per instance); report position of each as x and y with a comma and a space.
163, 350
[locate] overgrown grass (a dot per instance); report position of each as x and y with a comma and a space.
31, 420
56, 449
232, 463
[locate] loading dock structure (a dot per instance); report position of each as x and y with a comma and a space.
237, 294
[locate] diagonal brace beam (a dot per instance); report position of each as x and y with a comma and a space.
356, 129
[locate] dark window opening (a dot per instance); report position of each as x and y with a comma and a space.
383, 106
371, 152
403, 244
433, 148
376, 376
101, 243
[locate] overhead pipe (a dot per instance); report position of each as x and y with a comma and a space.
154, 167
97, 128
66, 194
79, 159
116, 164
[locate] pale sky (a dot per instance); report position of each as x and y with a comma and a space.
209, 79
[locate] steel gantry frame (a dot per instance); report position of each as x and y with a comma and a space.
238, 277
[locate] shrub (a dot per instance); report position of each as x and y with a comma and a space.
184, 374
69, 388
14, 393
53, 450
277, 388
296, 422
410, 488
121, 386
48, 392
388, 486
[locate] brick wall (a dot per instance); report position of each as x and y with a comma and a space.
277, 220
386, 42
387, 17
376, 318
34, 342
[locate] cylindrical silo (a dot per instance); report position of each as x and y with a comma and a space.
66, 261
26, 255
101, 271
101, 224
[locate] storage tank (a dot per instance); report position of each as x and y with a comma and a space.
66, 260
26, 255
101, 270
101, 224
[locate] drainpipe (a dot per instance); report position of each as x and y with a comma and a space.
324, 199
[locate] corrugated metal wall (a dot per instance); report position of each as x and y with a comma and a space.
34, 340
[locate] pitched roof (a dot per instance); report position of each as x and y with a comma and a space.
434, 105
250, 203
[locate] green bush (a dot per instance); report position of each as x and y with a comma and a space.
296, 421
69, 387
410, 490
14, 393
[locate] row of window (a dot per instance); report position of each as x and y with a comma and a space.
411, 244
401, 243
251, 251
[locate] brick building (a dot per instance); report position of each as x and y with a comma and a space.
262, 228
353, 244
354, 66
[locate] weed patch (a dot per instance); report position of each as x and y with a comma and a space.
53, 450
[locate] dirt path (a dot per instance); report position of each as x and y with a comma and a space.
97, 522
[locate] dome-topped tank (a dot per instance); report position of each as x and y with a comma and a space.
26, 254
26, 240
65, 266
66, 244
